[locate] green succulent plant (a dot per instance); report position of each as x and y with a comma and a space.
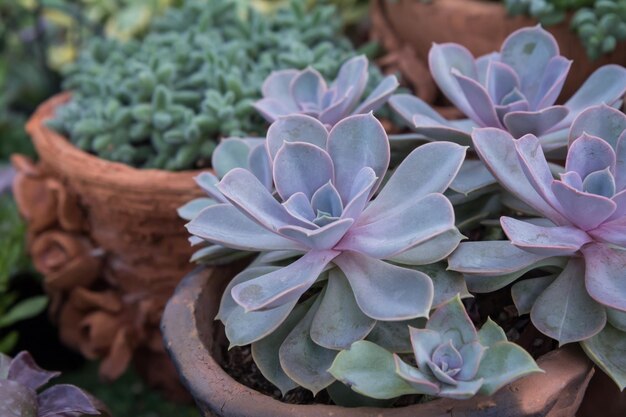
164, 101
600, 24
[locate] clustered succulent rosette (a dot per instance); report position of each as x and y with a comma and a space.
322, 228
453, 360
513, 90
580, 240
291, 91
21, 378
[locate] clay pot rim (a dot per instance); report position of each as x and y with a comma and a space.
55, 148
213, 388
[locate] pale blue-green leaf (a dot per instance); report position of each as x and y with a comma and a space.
354, 143
339, 322
295, 128
421, 382
284, 285
384, 291
607, 349
369, 370
605, 86
472, 176
503, 363
526, 292
601, 121
192, 208
265, 351
451, 321
491, 333
565, 311
447, 283
229, 154
394, 335
303, 360
433, 250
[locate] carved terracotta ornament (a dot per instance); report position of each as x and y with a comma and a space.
108, 325
109, 242
43, 200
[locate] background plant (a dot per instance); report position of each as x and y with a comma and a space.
21, 393
600, 24
162, 102
514, 90
12, 260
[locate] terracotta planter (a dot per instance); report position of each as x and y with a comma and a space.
108, 228
195, 341
479, 25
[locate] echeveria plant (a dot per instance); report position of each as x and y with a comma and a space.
322, 212
513, 90
452, 359
21, 378
288, 92
582, 231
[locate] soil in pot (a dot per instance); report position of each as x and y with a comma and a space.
197, 346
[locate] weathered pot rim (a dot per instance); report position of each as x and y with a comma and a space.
215, 390
57, 150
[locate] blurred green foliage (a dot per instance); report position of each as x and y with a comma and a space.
12, 259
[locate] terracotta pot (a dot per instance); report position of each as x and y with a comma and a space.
195, 342
603, 398
131, 213
479, 25
99, 229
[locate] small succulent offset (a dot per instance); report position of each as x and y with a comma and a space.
21, 378
288, 92
582, 232
513, 90
453, 360
324, 182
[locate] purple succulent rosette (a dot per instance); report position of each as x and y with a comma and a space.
322, 226
288, 92
21, 378
513, 90
452, 359
580, 241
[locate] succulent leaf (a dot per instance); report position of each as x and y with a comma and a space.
608, 350
339, 321
369, 370
312, 372
21, 378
